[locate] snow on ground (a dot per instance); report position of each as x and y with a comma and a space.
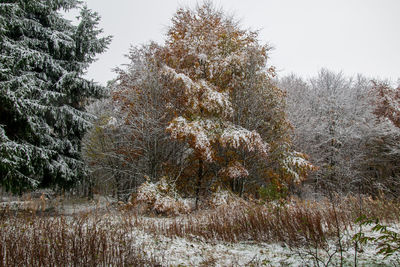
182, 252
178, 251
61, 206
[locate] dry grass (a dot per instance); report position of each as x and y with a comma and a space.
82, 240
98, 239
295, 223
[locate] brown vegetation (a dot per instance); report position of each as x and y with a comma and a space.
297, 222
104, 239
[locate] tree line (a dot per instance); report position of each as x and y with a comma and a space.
204, 111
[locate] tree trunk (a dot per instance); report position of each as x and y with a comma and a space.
199, 180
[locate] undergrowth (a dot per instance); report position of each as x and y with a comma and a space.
81, 240
296, 222
108, 239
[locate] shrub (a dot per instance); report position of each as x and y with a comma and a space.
161, 198
225, 198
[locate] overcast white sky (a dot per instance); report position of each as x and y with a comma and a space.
353, 36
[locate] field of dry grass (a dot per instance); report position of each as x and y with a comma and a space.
237, 233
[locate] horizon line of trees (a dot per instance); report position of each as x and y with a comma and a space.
202, 112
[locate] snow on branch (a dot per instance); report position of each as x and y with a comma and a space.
234, 170
201, 95
387, 102
297, 165
196, 133
236, 137
214, 101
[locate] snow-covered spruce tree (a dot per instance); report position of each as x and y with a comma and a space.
42, 120
210, 64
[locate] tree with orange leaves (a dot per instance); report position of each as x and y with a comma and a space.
203, 109
387, 101
209, 62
